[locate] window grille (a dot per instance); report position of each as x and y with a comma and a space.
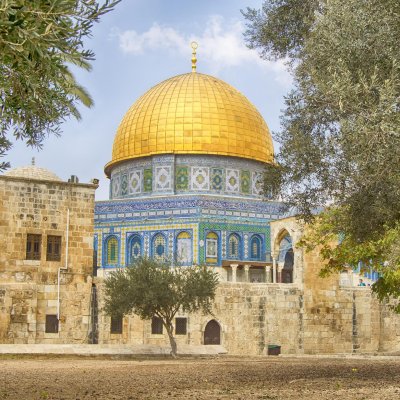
180, 326
33, 245
159, 244
53, 248
112, 251
233, 246
51, 324
156, 326
116, 324
255, 248
212, 245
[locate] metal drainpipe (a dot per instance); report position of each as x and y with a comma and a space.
64, 269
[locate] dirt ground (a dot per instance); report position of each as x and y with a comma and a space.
212, 378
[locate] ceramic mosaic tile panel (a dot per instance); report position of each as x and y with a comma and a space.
245, 181
182, 178
217, 179
163, 178
115, 186
232, 180
246, 245
135, 181
257, 183
124, 185
223, 238
200, 178
148, 180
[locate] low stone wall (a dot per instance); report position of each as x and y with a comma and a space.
253, 316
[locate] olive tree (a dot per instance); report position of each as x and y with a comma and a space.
340, 129
152, 288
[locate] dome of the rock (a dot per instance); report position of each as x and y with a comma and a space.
192, 114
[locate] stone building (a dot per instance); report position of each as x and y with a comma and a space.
186, 185
46, 257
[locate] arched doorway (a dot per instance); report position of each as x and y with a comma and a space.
286, 257
212, 333
287, 271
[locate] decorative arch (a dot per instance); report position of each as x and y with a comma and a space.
234, 246
212, 333
212, 244
255, 247
159, 247
135, 248
112, 251
184, 253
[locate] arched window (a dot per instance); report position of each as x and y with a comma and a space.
234, 247
135, 248
286, 257
212, 248
112, 251
184, 248
159, 247
255, 248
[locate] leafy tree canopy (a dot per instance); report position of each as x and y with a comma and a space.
38, 40
340, 136
150, 288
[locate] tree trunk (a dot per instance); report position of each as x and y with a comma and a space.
170, 331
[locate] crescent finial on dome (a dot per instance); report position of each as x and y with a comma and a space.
194, 46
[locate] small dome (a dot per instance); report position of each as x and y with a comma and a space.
33, 172
192, 114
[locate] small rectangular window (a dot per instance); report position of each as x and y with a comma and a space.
116, 324
51, 324
53, 248
180, 326
156, 326
33, 245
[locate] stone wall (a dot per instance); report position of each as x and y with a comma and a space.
29, 288
253, 316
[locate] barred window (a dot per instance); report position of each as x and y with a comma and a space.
212, 245
233, 246
159, 247
135, 248
180, 326
156, 326
116, 324
255, 248
51, 324
112, 251
53, 248
33, 245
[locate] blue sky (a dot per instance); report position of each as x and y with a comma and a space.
139, 44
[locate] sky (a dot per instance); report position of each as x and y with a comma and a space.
138, 45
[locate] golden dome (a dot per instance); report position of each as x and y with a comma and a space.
192, 114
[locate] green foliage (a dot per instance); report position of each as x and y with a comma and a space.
149, 288
344, 250
340, 137
38, 40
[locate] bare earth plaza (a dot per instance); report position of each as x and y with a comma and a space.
193, 171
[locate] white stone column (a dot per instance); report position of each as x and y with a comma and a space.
280, 268
246, 273
234, 268
273, 270
267, 274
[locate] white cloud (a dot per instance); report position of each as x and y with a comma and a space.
221, 42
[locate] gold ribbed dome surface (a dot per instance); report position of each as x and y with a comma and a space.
192, 114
